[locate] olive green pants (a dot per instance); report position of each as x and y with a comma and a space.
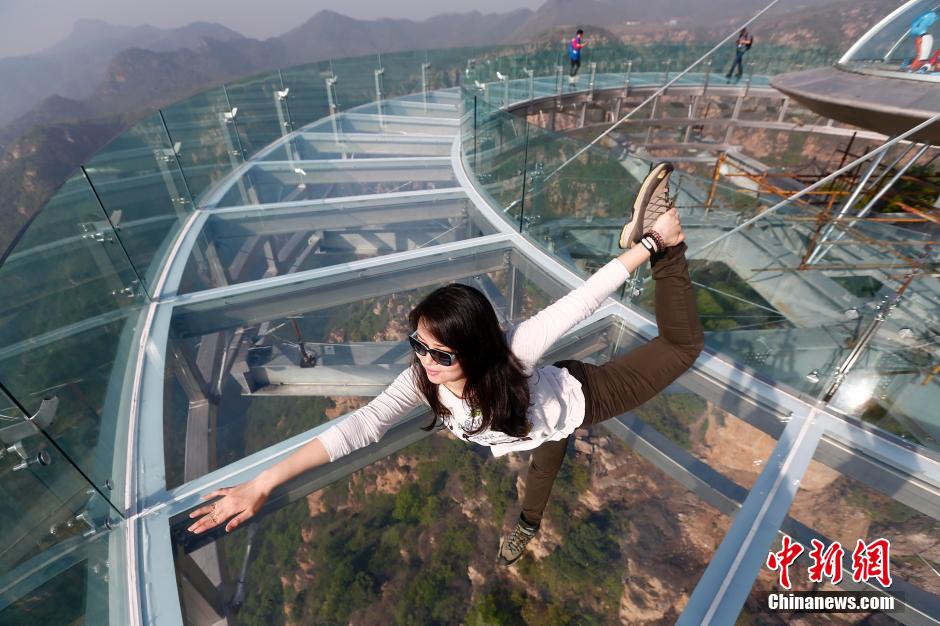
630, 380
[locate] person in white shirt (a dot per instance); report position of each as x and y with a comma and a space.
485, 385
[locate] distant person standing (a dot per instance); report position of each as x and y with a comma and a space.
742, 45
923, 42
574, 53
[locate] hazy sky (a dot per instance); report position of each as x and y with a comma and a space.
28, 26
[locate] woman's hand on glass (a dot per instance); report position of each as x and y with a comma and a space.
669, 228
235, 506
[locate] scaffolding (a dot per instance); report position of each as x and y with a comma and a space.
900, 189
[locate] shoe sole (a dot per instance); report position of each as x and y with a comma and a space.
633, 231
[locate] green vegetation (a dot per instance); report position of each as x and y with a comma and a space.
881, 509
674, 415
402, 556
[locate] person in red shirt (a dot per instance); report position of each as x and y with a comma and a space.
574, 53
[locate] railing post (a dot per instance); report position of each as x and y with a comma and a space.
626, 82
333, 104
531, 75
476, 166
280, 103
424, 83
558, 79
708, 75
233, 144
380, 93
783, 109
666, 75
591, 83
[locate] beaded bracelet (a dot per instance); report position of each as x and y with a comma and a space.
660, 242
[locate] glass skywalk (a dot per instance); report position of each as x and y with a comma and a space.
235, 271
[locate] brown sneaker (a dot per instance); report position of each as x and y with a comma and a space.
651, 202
513, 546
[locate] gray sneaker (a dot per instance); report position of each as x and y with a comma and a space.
513, 546
651, 202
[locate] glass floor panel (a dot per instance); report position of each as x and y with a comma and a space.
386, 123
737, 448
325, 144
620, 543
297, 181
243, 245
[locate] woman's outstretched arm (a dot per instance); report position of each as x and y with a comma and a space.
364, 426
243, 501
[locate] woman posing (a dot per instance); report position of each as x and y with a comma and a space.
486, 387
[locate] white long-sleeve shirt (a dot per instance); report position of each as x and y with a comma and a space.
557, 402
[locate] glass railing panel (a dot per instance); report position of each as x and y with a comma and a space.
46, 503
70, 307
497, 154
355, 80
205, 138
300, 345
140, 185
576, 204
307, 99
262, 115
76, 584
448, 68
402, 73
833, 506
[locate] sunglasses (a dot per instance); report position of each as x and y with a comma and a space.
445, 359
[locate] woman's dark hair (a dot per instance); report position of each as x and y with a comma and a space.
461, 318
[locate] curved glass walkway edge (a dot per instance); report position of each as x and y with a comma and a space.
429, 154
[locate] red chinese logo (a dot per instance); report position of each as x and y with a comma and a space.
826, 563
781, 560
869, 561
872, 561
